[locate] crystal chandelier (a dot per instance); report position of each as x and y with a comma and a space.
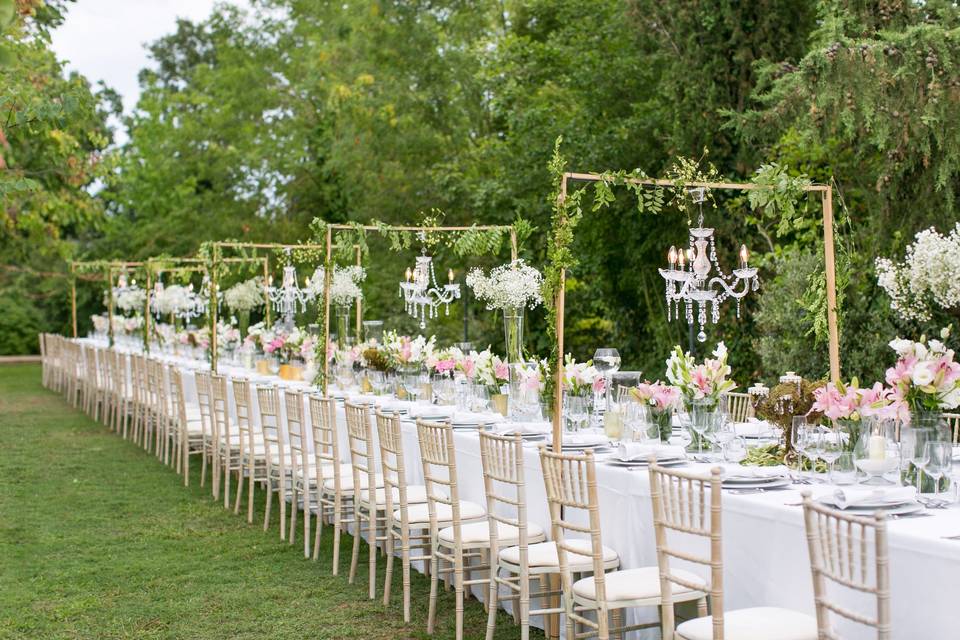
288, 295
687, 276
422, 295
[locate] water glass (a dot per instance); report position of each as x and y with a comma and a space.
735, 450
844, 470
576, 413
480, 400
939, 457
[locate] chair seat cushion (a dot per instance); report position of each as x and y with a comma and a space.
755, 623
420, 513
544, 554
637, 584
507, 535
346, 480
416, 494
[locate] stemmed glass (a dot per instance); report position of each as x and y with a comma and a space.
939, 456
720, 433
829, 448
413, 385
913, 446
273, 365
799, 440
576, 412
481, 398
701, 425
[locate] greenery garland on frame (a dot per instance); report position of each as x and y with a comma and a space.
777, 192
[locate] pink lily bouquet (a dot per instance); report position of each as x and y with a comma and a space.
444, 361
838, 401
407, 352
707, 381
662, 400
926, 377
580, 378
485, 368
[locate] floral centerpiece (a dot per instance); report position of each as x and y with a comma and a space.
375, 358
581, 378
344, 291
928, 277
509, 288
172, 300
244, 297
701, 386
848, 407
406, 353
132, 325
925, 381
131, 299
662, 400
444, 361
228, 336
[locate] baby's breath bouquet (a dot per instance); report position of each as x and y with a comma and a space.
509, 288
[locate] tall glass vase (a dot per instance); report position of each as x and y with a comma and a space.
343, 324
513, 332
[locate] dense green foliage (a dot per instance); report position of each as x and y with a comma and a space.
253, 123
100, 540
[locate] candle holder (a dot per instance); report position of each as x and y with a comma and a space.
876, 453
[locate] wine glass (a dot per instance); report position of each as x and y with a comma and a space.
412, 385
939, 457
913, 447
576, 411
480, 401
273, 365
606, 360
735, 450
829, 448
799, 441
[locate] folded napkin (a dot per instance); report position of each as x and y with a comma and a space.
855, 496
361, 398
740, 471
526, 428
584, 439
752, 428
630, 451
432, 410
396, 405
469, 417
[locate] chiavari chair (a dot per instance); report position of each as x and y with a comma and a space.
953, 422
689, 504
739, 407
207, 422
278, 460
397, 496
252, 457
849, 552
365, 482
301, 467
512, 539
438, 456
333, 500
187, 431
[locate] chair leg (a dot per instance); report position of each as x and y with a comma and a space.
617, 616
250, 490
458, 587
492, 601
226, 481
203, 465
266, 513
337, 524
434, 577
306, 520
282, 495
239, 496
357, 534
293, 513
405, 558
372, 587
388, 570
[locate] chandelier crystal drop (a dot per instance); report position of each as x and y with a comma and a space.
422, 295
288, 295
688, 278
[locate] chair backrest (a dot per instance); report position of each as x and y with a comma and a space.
688, 503
138, 378
953, 422
392, 463
268, 399
439, 459
241, 408
326, 447
570, 480
161, 389
219, 408
851, 552
503, 483
296, 429
178, 408
360, 434
120, 373
739, 406
205, 401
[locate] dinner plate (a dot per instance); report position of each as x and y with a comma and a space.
617, 462
910, 507
753, 479
778, 484
878, 503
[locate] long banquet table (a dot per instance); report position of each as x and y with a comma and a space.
765, 548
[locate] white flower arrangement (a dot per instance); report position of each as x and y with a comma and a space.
510, 286
344, 286
707, 381
406, 351
173, 299
929, 275
130, 298
246, 295
582, 377
101, 323
228, 335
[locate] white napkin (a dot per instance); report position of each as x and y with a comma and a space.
752, 428
853, 496
432, 410
396, 405
732, 470
526, 428
468, 417
363, 398
630, 451
584, 439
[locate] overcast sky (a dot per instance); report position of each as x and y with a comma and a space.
104, 39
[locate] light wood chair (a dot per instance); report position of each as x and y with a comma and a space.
138, 385
571, 486
739, 407
227, 439
689, 504
333, 502
301, 466
850, 552
205, 402
506, 491
365, 482
953, 422
448, 544
187, 430
398, 496
252, 458
278, 459
123, 392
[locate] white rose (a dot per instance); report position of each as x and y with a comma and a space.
936, 346
922, 375
951, 400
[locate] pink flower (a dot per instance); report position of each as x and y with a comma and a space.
442, 366
902, 372
469, 367
501, 370
599, 384
701, 378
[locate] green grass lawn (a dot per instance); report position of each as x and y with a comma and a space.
100, 540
